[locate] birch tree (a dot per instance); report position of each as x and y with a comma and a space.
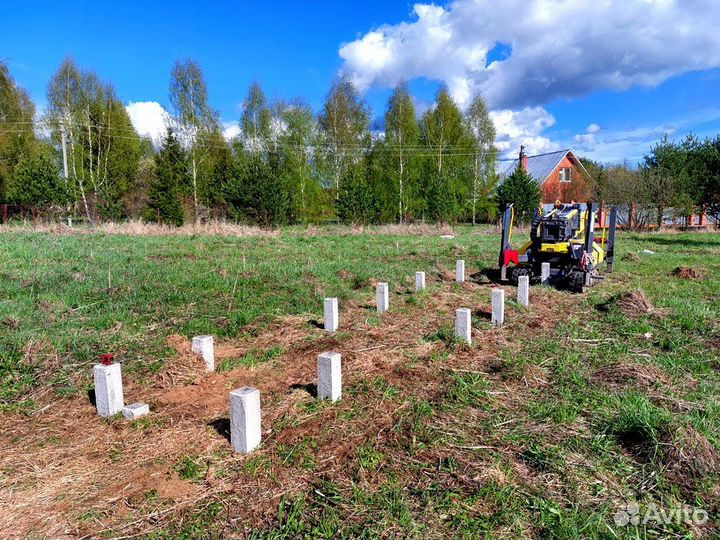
256, 120
447, 144
402, 134
103, 147
344, 122
194, 120
484, 177
296, 144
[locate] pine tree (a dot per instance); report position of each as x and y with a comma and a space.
164, 205
356, 203
260, 193
17, 136
522, 190
36, 181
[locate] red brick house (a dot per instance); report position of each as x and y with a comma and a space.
560, 174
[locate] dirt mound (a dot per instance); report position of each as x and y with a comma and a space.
641, 374
688, 272
689, 457
635, 303
632, 303
630, 257
446, 275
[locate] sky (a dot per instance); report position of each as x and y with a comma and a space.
607, 78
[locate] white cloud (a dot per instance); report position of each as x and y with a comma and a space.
149, 119
522, 127
231, 130
558, 48
593, 128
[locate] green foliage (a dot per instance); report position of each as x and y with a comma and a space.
164, 203
17, 137
197, 126
259, 191
102, 145
523, 191
289, 166
484, 176
356, 203
447, 168
402, 135
343, 122
37, 181
307, 199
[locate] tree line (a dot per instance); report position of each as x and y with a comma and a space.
290, 165
675, 180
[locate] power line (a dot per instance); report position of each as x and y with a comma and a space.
359, 149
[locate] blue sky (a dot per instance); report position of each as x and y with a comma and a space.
603, 83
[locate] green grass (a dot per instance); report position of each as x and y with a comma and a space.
72, 298
464, 461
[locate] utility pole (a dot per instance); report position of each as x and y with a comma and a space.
64, 150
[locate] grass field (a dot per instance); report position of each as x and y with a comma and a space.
543, 428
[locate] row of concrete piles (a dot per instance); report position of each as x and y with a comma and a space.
245, 416
462, 315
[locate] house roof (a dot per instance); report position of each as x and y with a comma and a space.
541, 165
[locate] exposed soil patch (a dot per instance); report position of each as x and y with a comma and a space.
184, 368
639, 444
632, 303
446, 275
688, 272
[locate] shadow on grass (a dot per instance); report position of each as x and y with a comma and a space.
309, 388
489, 274
222, 426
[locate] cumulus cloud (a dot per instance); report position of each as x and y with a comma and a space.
231, 130
149, 119
557, 49
524, 126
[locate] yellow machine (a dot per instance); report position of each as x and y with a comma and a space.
566, 238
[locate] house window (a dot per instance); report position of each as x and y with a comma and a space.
566, 174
